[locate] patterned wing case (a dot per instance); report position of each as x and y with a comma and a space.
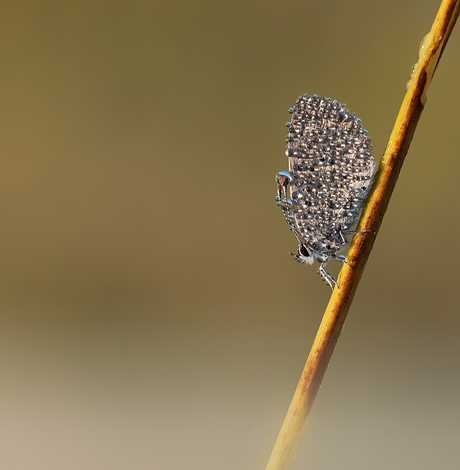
331, 170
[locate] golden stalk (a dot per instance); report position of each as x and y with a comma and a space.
331, 325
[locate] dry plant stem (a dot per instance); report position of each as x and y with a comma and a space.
328, 333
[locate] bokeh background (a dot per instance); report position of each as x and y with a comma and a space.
151, 317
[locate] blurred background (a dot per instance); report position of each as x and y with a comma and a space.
151, 316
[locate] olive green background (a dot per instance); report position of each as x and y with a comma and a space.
151, 317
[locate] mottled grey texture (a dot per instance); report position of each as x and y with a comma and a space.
331, 170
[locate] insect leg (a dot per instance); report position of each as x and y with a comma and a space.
326, 277
340, 258
351, 232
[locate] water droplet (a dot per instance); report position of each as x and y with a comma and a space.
285, 204
283, 178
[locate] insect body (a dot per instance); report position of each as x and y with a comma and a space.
331, 169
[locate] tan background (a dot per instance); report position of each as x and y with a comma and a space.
151, 317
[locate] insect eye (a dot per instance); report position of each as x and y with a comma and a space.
304, 251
